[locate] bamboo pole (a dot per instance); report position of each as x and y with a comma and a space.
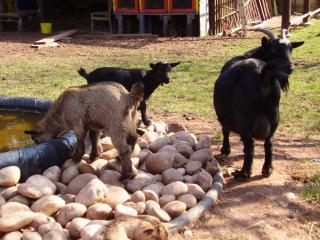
195, 213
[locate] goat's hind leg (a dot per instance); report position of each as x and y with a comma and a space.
267, 166
248, 150
96, 145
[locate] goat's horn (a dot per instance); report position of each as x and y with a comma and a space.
268, 32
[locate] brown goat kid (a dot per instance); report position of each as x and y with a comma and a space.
142, 227
103, 106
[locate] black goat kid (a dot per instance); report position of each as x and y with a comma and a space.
247, 95
158, 74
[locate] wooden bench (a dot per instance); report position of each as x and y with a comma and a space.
16, 16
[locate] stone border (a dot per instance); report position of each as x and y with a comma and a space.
192, 215
195, 213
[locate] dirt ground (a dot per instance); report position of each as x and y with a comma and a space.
262, 208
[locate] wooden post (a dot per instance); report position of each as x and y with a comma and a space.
243, 16
285, 11
306, 9
274, 7
1, 11
40, 10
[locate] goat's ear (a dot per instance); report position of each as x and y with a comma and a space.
296, 44
264, 42
148, 231
174, 64
152, 65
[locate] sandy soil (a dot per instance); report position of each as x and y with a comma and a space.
262, 208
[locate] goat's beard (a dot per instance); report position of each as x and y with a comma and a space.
283, 78
284, 83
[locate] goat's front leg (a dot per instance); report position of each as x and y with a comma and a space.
96, 145
267, 166
124, 145
80, 147
248, 150
143, 110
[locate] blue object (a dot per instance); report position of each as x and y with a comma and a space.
36, 159
30, 104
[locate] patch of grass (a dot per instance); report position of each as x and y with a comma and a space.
45, 74
312, 188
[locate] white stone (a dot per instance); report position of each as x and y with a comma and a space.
116, 195
193, 167
122, 210
95, 191
79, 182
203, 155
111, 177
188, 199
37, 186
176, 188
69, 173
70, 211
171, 175
159, 162
9, 176
175, 208
99, 211
16, 221
195, 190
48, 204
204, 180
53, 173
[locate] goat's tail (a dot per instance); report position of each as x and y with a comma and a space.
83, 73
136, 93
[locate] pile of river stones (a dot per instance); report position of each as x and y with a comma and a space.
174, 171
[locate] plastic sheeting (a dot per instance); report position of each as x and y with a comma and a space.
36, 159
26, 104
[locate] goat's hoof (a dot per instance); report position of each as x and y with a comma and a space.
225, 152
77, 159
126, 177
241, 175
93, 157
118, 159
266, 172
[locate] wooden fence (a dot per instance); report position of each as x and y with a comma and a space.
224, 14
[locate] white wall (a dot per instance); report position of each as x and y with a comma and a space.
204, 17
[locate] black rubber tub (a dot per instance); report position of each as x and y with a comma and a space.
37, 158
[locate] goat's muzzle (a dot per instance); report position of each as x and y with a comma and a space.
290, 70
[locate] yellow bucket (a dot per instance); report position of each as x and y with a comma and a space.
46, 27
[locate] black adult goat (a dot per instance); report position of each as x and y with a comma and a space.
158, 74
247, 95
